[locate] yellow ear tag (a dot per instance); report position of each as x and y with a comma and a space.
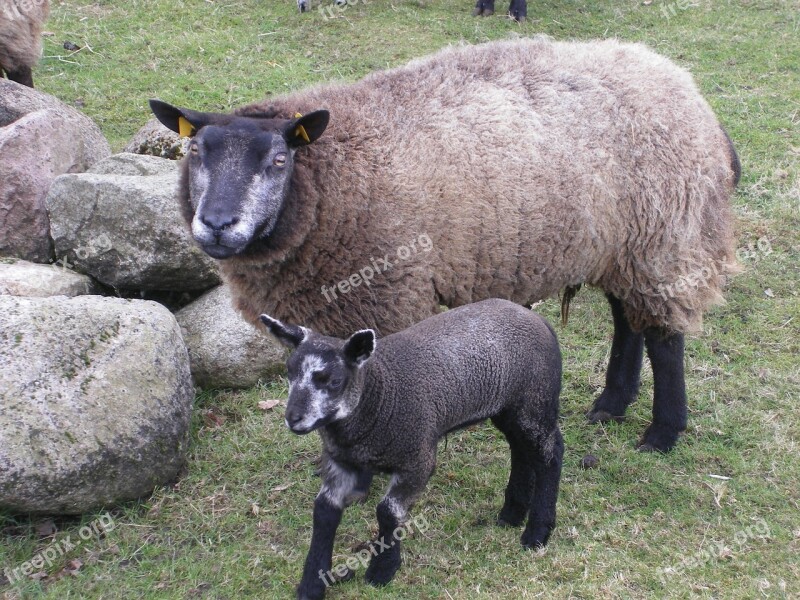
301, 131
185, 129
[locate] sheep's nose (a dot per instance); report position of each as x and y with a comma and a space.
218, 223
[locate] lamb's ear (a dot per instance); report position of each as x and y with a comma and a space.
182, 121
359, 347
288, 335
305, 129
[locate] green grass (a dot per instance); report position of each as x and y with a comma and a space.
237, 524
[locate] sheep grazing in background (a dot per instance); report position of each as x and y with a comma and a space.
531, 166
383, 408
21, 37
517, 10
305, 5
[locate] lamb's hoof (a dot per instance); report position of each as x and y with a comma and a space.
509, 517
535, 537
658, 439
477, 11
381, 572
311, 592
517, 17
595, 416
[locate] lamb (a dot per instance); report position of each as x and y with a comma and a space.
532, 166
382, 407
21, 38
517, 10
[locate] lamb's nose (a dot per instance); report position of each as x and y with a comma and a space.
218, 223
293, 417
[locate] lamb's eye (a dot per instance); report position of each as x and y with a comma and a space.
279, 160
320, 377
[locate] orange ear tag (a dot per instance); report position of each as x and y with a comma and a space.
300, 131
185, 129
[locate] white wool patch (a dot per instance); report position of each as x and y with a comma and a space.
339, 484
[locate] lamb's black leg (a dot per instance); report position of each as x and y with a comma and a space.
23, 75
317, 575
547, 470
624, 369
669, 390
519, 490
483, 8
392, 512
518, 10
341, 486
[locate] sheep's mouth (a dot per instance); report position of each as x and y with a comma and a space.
219, 251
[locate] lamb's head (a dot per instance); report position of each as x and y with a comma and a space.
326, 374
237, 172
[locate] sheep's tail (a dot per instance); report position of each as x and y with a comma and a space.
736, 166
569, 293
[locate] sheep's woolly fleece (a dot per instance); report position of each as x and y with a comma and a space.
532, 165
21, 32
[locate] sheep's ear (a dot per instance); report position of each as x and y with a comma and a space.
359, 347
304, 129
182, 121
288, 335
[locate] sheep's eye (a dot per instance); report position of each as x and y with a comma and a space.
320, 377
279, 160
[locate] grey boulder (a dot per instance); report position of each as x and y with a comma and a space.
126, 230
23, 278
95, 402
40, 139
225, 350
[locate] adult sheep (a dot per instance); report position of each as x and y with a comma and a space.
531, 166
21, 37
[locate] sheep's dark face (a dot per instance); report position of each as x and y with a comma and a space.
324, 374
238, 172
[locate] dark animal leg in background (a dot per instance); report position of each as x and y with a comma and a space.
518, 10
320, 554
23, 75
483, 8
542, 517
665, 352
624, 369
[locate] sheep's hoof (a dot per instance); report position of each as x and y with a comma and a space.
658, 439
517, 18
603, 416
488, 12
477, 11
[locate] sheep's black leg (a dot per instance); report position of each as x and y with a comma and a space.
624, 369
483, 8
23, 75
547, 471
392, 511
341, 486
518, 10
669, 390
519, 490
